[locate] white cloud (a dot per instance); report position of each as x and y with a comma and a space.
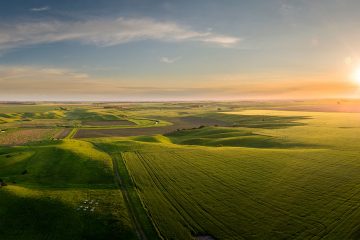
27, 73
40, 9
104, 32
222, 40
169, 60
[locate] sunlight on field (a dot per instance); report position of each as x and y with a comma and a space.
185, 172
253, 193
331, 129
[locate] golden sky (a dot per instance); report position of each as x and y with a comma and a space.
179, 50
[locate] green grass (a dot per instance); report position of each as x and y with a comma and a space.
268, 175
252, 193
54, 163
43, 115
135, 205
47, 187
230, 137
248, 193
86, 115
52, 116
258, 121
53, 214
155, 139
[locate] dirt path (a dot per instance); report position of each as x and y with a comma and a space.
72, 133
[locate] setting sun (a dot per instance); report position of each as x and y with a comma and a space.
356, 75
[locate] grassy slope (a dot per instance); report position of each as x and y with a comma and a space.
255, 193
48, 201
226, 136
188, 190
258, 120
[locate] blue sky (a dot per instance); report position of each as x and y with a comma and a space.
178, 50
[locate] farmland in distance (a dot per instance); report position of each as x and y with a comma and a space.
236, 170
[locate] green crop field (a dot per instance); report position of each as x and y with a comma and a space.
236, 170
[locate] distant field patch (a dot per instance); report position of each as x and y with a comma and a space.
177, 123
18, 108
121, 132
63, 133
23, 136
108, 123
39, 123
259, 120
340, 106
229, 137
203, 121
87, 115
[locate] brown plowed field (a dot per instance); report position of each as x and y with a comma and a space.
62, 133
178, 123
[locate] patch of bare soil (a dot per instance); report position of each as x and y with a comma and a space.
23, 136
62, 133
178, 123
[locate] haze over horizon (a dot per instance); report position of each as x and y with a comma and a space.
137, 50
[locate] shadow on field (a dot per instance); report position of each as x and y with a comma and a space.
230, 137
195, 121
46, 218
356, 234
85, 115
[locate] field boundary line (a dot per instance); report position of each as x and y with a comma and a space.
142, 202
72, 133
139, 229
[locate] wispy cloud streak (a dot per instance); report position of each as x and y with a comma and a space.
169, 60
105, 32
40, 9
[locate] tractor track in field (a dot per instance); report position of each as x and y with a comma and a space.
138, 228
